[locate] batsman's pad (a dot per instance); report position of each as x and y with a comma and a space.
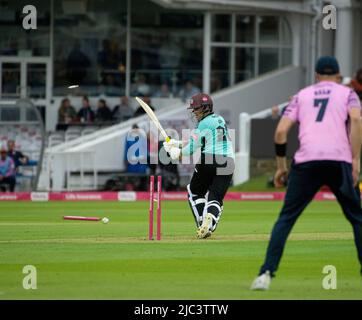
215, 209
197, 205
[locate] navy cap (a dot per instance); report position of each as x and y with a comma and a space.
327, 65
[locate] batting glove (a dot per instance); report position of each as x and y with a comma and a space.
174, 153
172, 143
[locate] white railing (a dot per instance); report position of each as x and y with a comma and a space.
242, 158
60, 165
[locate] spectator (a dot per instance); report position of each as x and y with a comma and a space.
141, 88
122, 111
135, 155
103, 114
86, 114
356, 83
136, 158
163, 92
18, 157
140, 111
108, 57
188, 91
77, 64
7, 170
66, 112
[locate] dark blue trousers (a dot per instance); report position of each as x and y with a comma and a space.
304, 181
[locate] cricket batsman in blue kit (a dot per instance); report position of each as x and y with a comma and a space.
214, 170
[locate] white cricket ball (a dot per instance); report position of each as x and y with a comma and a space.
105, 220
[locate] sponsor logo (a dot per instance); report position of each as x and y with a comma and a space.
328, 196
257, 196
80, 196
127, 196
39, 196
8, 197
174, 196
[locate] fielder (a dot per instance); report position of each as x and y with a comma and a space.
214, 170
329, 154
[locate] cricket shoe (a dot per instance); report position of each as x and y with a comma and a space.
262, 282
205, 230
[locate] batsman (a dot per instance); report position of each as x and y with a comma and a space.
214, 169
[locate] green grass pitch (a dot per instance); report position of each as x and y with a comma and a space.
92, 260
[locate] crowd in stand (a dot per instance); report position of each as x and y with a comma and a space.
159, 73
10, 160
67, 114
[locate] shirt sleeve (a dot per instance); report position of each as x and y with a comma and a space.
291, 111
193, 144
353, 100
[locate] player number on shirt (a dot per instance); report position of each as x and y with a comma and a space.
322, 105
222, 134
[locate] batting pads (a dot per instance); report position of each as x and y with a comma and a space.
215, 209
197, 205
200, 207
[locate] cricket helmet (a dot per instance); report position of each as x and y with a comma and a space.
201, 102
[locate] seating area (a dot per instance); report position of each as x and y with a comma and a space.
71, 133
27, 138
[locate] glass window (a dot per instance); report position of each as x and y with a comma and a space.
10, 84
10, 113
166, 51
36, 78
272, 44
245, 29
221, 28
269, 29
220, 72
16, 41
286, 56
90, 47
286, 33
244, 64
268, 59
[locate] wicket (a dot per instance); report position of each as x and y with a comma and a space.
158, 200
